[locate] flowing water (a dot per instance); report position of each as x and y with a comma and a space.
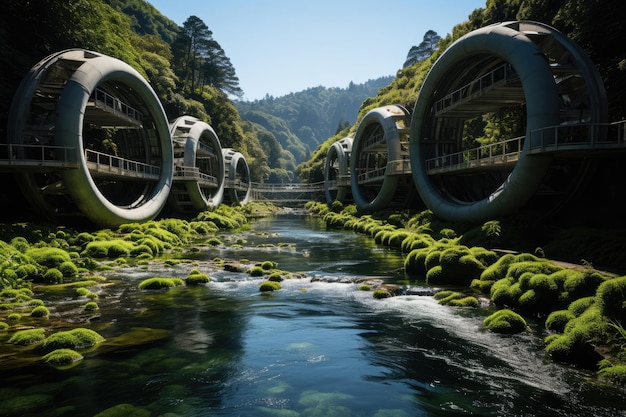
318, 347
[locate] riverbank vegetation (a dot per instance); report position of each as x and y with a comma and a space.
48, 260
581, 310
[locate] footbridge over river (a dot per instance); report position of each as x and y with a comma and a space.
87, 137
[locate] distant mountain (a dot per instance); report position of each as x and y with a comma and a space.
302, 121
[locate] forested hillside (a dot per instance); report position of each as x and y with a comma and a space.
302, 121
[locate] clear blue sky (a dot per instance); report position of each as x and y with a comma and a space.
279, 47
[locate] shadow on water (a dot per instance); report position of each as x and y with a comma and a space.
318, 347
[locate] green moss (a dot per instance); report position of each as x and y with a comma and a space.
40, 311
364, 287
505, 321
14, 317
53, 275
195, 277
48, 257
267, 265
276, 277
268, 286
615, 374
3, 326
256, 271
381, 293
581, 305
62, 357
68, 269
79, 338
28, 337
611, 295
456, 299
157, 283
557, 320
91, 306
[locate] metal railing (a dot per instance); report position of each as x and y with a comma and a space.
587, 136
499, 76
116, 106
504, 152
185, 173
106, 164
37, 156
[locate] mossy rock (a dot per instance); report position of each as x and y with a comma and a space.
91, 306
79, 338
195, 277
28, 337
256, 271
47, 256
557, 320
611, 295
62, 357
157, 283
505, 321
381, 293
268, 286
40, 311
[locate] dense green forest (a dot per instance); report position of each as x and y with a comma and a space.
285, 138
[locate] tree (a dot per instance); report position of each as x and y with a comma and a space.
423, 50
199, 60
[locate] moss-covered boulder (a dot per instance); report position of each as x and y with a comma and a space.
269, 286
28, 337
505, 321
62, 357
159, 283
79, 338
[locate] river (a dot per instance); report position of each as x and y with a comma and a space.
317, 347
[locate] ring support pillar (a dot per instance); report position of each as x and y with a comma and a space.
337, 170
509, 43
238, 185
67, 81
200, 185
381, 134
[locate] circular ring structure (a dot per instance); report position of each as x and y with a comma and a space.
379, 163
103, 137
238, 185
523, 64
337, 171
198, 166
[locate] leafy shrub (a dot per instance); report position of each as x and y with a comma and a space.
505, 321
157, 283
268, 286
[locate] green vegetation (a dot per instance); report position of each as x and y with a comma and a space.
28, 337
269, 286
158, 283
196, 277
62, 357
505, 321
79, 338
